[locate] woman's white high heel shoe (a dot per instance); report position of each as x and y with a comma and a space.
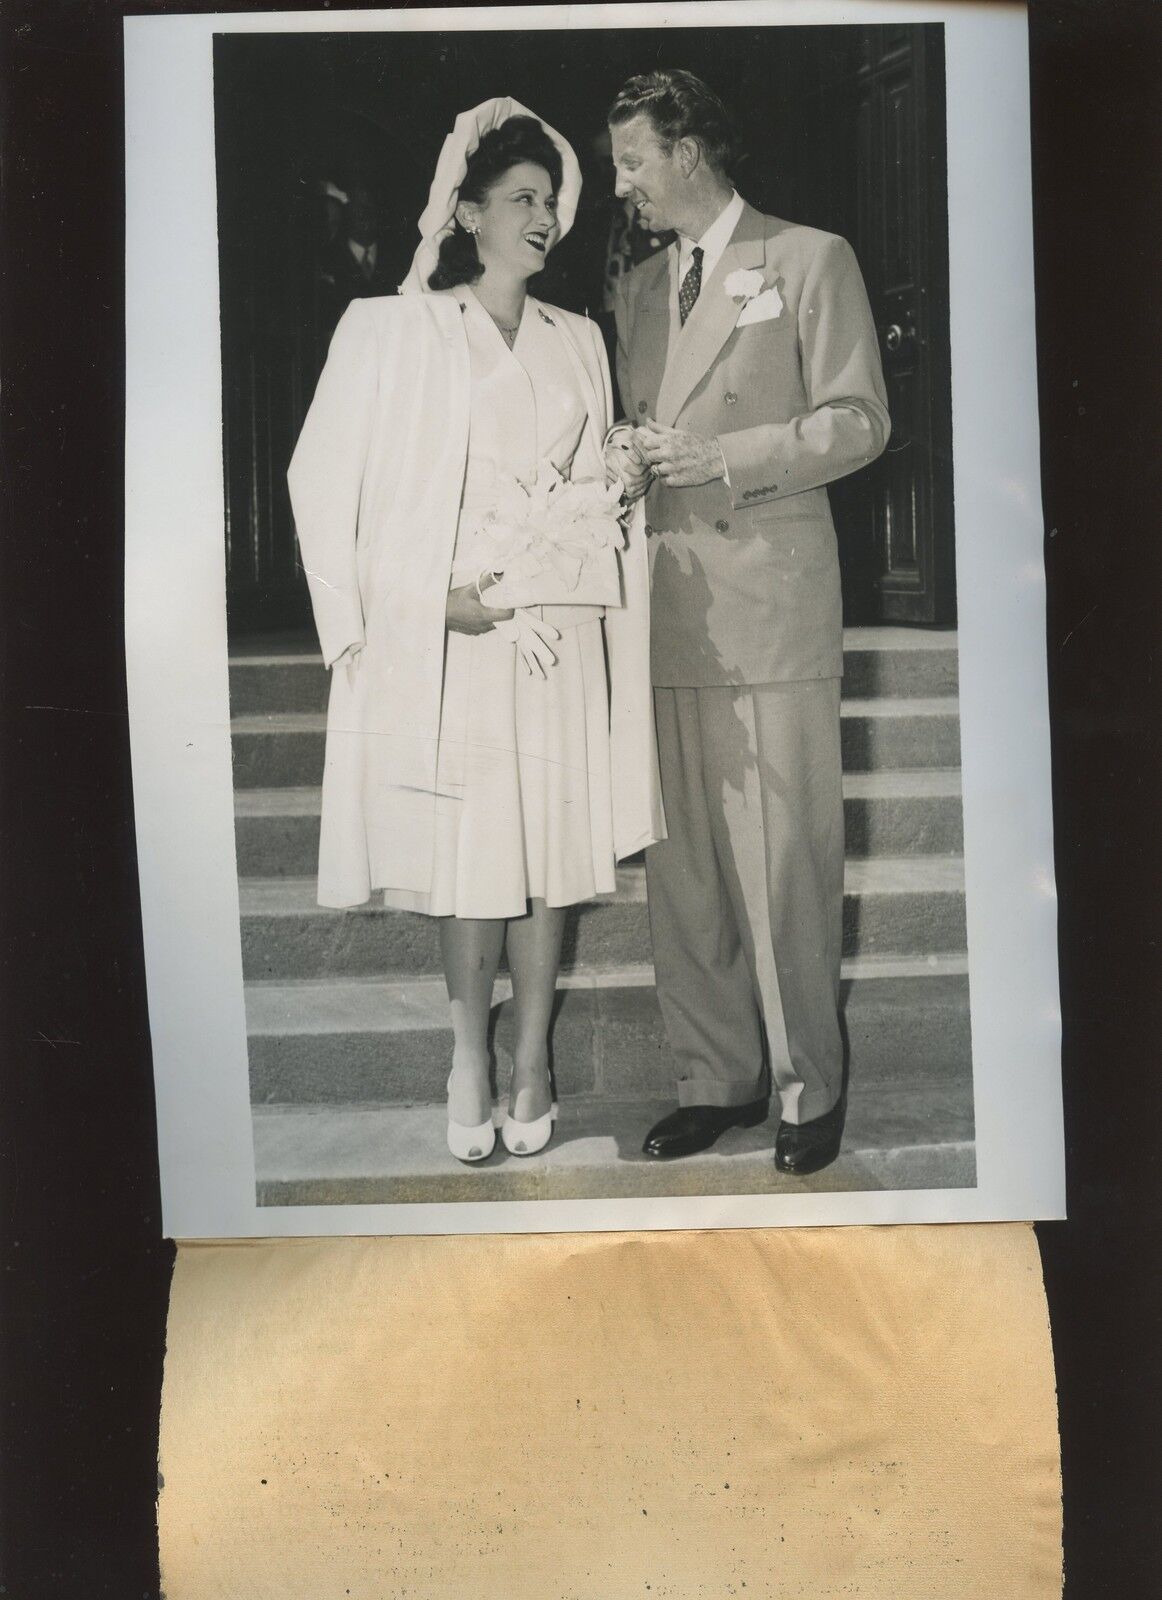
527, 1138
471, 1144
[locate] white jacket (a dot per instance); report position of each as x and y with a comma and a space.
375, 485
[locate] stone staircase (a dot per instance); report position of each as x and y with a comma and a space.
347, 1014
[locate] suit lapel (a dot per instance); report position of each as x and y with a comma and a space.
650, 328
712, 320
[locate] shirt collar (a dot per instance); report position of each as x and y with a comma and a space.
714, 241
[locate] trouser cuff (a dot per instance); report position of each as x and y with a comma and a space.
799, 1108
714, 1092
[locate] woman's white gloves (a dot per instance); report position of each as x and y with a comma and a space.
533, 637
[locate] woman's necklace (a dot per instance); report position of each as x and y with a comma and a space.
507, 333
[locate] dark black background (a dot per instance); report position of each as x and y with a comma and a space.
85, 1270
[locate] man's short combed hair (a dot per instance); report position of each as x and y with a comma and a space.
679, 106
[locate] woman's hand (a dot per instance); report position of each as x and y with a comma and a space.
348, 662
349, 656
466, 613
624, 460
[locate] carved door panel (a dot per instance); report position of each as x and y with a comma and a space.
901, 237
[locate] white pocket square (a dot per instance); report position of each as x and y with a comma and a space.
762, 308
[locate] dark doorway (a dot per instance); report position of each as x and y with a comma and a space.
844, 129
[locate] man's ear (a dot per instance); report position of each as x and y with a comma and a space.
689, 155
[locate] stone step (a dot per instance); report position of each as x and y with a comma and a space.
285, 749
287, 674
916, 811
285, 934
896, 1137
344, 1041
276, 832
889, 662
902, 731
278, 681
912, 811
893, 905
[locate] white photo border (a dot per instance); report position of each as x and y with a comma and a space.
176, 648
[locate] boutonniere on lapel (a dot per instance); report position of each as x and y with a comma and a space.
748, 289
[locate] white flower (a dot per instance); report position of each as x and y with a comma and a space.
744, 283
544, 522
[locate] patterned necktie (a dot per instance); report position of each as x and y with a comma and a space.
691, 283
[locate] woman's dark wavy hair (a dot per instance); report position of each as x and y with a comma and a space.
519, 139
679, 106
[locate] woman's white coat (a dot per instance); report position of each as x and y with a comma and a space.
375, 485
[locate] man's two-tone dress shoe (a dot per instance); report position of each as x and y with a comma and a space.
812, 1145
692, 1128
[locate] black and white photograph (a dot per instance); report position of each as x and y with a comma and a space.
580, 680
601, 583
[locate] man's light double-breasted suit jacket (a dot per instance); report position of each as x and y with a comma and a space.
745, 572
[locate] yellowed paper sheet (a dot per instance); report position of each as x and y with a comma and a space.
814, 1413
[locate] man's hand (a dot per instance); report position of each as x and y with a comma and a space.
679, 459
465, 612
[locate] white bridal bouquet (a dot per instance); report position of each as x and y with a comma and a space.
552, 542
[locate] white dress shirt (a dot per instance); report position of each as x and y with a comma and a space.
364, 253
712, 243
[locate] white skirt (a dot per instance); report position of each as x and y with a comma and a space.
524, 800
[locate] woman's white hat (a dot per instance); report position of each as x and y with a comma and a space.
439, 213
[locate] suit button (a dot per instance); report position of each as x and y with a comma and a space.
722, 525
730, 397
642, 407
649, 529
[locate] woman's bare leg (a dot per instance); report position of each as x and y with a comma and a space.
534, 958
471, 950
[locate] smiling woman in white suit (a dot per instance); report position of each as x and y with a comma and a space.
484, 766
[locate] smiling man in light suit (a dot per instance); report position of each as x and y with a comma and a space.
749, 368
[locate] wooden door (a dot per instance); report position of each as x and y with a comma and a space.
901, 237
268, 316
281, 145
